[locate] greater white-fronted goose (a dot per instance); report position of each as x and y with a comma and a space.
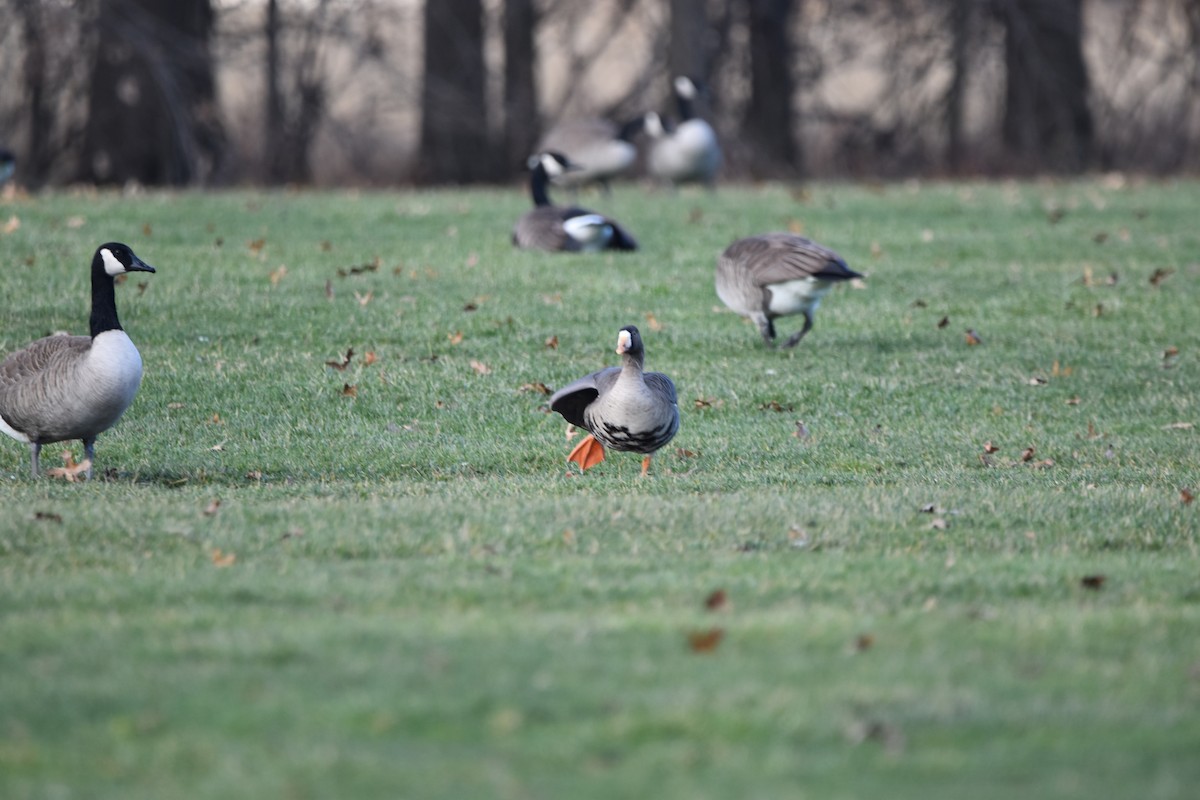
777, 274
687, 153
599, 149
622, 408
564, 228
75, 387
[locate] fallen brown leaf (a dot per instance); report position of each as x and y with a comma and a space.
681, 452
369, 358
1027, 453
1160, 275
221, 559
254, 475
48, 516
1093, 582
340, 366
480, 367
363, 299
988, 447
212, 508
349, 391
256, 245
939, 524
278, 274
552, 342
455, 338
863, 642
1186, 497
705, 641
328, 289
716, 600
775, 405
652, 322
12, 224
943, 322
537, 386
1073, 401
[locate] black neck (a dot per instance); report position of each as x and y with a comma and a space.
537, 186
685, 107
104, 303
634, 358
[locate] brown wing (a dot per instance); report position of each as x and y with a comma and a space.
779, 257
572, 399
43, 369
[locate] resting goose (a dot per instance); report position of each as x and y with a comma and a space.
623, 408
689, 152
599, 148
777, 274
75, 387
563, 228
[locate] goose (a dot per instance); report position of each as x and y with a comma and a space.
777, 274
599, 148
8, 165
622, 408
75, 387
689, 152
563, 228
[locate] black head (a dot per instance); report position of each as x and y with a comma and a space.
115, 259
629, 341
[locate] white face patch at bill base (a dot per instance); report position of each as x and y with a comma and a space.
624, 341
111, 265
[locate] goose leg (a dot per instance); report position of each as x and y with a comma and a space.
35, 450
588, 453
796, 337
766, 326
89, 454
645, 466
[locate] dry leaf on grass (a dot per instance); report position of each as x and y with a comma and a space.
705, 641
864, 642
369, 358
221, 559
345, 362
455, 338
1027, 453
47, 516
363, 299
1093, 582
1160, 275
538, 387
480, 367
716, 600
12, 225
988, 447
1186, 497
256, 245
349, 391
212, 508
278, 274
943, 322
552, 342
652, 322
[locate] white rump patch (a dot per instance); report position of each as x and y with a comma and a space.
798, 296
592, 231
13, 432
652, 124
111, 265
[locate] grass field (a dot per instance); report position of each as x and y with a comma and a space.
297, 581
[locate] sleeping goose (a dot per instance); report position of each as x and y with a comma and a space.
623, 408
689, 152
599, 148
777, 274
75, 387
563, 228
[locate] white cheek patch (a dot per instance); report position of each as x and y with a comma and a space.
552, 167
685, 87
624, 340
111, 265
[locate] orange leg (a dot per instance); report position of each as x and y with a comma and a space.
645, 466
588, 453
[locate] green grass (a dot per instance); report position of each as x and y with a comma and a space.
422, 601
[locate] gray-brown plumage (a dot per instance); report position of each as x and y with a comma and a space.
563, 228
75, 387
598, 148
623, 408
687, 152
777, 274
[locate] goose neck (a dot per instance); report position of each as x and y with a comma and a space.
537, 186
104, 304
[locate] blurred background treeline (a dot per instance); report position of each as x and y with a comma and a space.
384, 92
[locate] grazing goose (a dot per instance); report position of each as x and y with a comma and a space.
75, 387
777, 274
689, 152
623, 407
599, 149
563, 228
8, 165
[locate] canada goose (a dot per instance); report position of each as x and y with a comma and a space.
8, 165
621, 407
565, 228
75, 387
689, 152
599, 148
777, 274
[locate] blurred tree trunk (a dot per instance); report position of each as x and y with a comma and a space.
454, 131
960, 31
152, 114
688, 49
293, 112
36, 164
521, 121
1047, 121
768, 122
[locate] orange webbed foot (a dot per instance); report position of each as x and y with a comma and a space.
588, 453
